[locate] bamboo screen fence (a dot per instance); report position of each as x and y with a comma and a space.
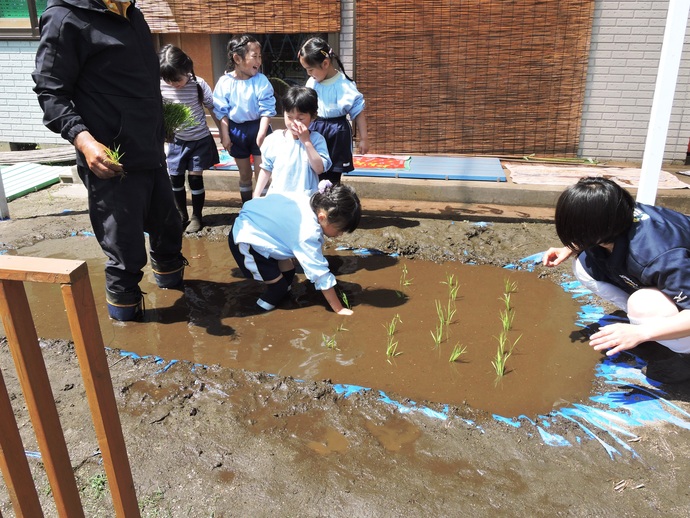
241, 16
473, 76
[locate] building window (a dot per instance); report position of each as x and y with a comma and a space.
280, 62
20, 17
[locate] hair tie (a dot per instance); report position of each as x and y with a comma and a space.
325, 186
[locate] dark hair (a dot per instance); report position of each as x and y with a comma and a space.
302, 99
341, 204
594, 211
238, 45
315, 50
176, 64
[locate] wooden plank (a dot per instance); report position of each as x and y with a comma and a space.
88, 342
13, 465
33, 377
40, 269
47, 155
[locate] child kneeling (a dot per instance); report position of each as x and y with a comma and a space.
270, 232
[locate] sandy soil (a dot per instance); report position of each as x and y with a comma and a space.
222, 442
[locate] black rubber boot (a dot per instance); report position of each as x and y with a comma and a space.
126, 306
169, 274
675, 369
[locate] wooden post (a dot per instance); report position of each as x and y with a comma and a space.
13, 465
88, 341
32, 374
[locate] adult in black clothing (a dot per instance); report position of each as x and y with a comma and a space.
98, 82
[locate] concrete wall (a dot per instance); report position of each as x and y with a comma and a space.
21, 119
624, 56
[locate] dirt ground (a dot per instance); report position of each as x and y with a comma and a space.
215, 441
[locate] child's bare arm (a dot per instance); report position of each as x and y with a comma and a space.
225, 133
361, 125
261, 182
263, 130
334, 301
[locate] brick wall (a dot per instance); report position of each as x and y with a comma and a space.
20, 115
347, 37
624, 56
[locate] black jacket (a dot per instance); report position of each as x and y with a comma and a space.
99, 71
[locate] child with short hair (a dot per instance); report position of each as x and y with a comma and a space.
244, 103
338, 98
192, 148
270, 232
635, 256
293, 158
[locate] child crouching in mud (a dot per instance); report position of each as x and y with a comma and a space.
272, 231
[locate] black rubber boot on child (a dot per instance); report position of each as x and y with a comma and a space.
126, 306
675, 369
169, 274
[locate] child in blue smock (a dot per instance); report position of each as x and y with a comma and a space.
338, 99
293, 158
270, 232
635, 256
244, 103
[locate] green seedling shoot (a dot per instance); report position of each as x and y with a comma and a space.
391, 344
450, 312
503, 353
453, 286
507, 319
509, 286
506, 301
458, 351
176, 117
329, 341
437, 336
440, 313
404, 281
113, 155
343, 297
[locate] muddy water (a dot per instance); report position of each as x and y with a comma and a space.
213, 321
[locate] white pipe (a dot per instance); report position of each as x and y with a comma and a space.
667, 76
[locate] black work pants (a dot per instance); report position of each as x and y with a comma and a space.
121, 210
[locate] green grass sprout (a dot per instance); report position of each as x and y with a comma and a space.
458, 351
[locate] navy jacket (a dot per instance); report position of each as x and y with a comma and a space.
99, 71
654, 253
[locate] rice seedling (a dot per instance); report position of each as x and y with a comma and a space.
343, 297
458, 351
113, 155
440, 313
176, 117
341, 327
503, 353
437, 336
507, 317
506, 301
392, 344
329, 341
450, 312
453, 286
509, 286
404, 281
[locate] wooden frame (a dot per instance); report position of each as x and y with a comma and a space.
31, 371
